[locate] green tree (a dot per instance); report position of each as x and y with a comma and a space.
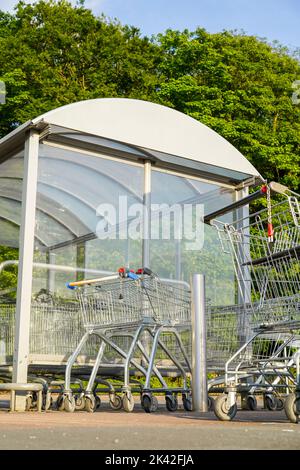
241, 87
52, 54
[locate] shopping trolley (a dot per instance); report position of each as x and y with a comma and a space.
129, 305
265, 251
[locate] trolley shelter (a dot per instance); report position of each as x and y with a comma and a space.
61, 176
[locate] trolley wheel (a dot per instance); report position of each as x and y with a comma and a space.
270, 402
34, 398
47, 401
98, 401
116, 402
187, 403
154, 403
251, 403
90, 404
222, 410
146, 403
290, 408
128, 402
210, 403
149, 403
60, 403
69, 404
79, 402
29, 402
279, 403
171, 403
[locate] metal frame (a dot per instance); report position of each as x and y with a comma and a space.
199, 375
21, 349
146, 215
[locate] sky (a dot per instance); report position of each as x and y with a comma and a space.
271, 19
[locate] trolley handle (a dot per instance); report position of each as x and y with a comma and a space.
122, 273
274, 187
85, 282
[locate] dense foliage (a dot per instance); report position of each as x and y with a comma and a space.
242, 88
52, 53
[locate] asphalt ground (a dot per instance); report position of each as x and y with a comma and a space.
118, 430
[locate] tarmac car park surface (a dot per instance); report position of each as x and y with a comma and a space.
118, 430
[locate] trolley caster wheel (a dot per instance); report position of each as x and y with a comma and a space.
270, 402
90, 404
154, 403
290, 407
222, 410
98, 401
171, 403
210, 404
79, 402
69, 404
29, 402
34, 399
47, 402
149, 403
53, 405
251, 403
187, 403
116, 402
279, 404
128, 402
60, 403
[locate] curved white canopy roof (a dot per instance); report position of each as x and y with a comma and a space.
150, 126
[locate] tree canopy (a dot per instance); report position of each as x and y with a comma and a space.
52, 53
241, 87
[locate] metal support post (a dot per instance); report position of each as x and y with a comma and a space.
147, 214
146, 237
242, 214
244, 292
26, 250
199, 376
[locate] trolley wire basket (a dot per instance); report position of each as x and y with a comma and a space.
265, 329
125, 302
265, 249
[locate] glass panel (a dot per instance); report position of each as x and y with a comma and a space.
173, 258
111, 254
9, 234
72, 187
11, 174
